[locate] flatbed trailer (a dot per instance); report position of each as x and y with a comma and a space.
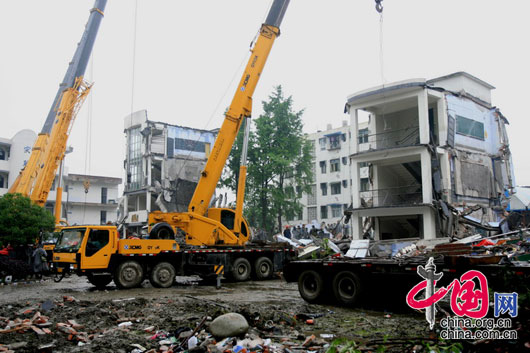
350, 281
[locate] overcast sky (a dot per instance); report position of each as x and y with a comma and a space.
190, 54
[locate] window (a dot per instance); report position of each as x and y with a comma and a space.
103, 217
334, 142
364, 186
363, 136
363, 164
298, 191
97, 239
134, 155
2, 181
103, 195
301, 215
312, 195
343, 136
323, 212
323, 167
322, 143
334, 165
324, 188
345, 160
3, 155
335, 188
336, 210
311, 213
468, 127
345, 184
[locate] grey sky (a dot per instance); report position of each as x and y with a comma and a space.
189, 55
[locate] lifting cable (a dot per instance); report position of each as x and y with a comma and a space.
88, 143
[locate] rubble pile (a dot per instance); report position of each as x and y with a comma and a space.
166, 325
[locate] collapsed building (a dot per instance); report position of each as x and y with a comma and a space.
162, 165
438, 159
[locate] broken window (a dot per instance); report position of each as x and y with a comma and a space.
469, 127
134, 167
323, 212
335, 188
324, 188
334, 165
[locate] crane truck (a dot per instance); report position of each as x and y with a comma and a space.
204, 241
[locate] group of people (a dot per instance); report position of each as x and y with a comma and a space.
35, 256
303, 231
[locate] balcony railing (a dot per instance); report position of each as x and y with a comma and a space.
397, 196
394, 138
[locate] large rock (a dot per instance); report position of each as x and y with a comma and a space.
229, 325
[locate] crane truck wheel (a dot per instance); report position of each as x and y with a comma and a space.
346, 287
128, 274
263, 268
99, 281
162, 275
241, 269
161, 231
311, 286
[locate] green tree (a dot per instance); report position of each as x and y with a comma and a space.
21, 221
280, 163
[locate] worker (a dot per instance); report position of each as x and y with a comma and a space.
40, 264
287, 232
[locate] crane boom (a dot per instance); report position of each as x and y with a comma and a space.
220, 226
37, 176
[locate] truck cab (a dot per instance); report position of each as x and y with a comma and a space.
85, 247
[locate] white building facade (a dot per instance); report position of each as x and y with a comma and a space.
432, 145
96, 206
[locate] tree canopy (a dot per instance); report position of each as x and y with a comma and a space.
21, 221
279, 166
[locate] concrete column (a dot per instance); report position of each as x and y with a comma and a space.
426, 176
446, 174
356, 223
356, 199
423, 116
375, 180
429, 224
354, 129
442, 121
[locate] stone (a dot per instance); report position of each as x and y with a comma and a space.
229, 325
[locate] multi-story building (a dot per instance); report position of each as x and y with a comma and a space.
433, 146
331, 188
95, 205
14, 154
160, 159
89, 199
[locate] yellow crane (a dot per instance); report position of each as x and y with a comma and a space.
36, 178
224, 226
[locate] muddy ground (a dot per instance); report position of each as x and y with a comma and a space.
114, 320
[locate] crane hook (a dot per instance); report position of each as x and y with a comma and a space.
378, 6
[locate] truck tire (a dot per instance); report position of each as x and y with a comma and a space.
162, 275
241, 269
311, 286
129, 274
161, 231
263, 268
346, 287
99, 281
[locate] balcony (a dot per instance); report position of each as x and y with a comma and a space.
394, 138
391, 197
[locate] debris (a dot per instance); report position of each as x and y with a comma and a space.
310, 321
47, 305
125, 324
192, 342
358, 248
308, 341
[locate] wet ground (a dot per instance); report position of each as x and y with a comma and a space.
75, 317
273, 308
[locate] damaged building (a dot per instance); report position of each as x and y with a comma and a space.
437, 153
162, 166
